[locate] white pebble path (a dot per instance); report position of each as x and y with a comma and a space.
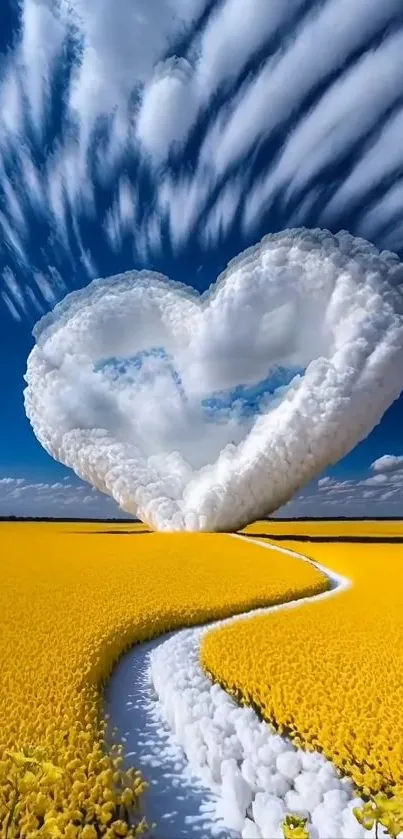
256, 775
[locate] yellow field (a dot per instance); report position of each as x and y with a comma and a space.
329, 527
331, 671
72, 599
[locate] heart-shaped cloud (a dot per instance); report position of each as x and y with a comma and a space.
206, 412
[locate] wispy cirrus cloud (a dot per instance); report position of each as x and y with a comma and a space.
121, 216
321, 44
383, 158
160, 120
180, 90
348, 110
221, 215
28, 301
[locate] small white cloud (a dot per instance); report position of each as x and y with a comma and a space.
14, 291
13, 240
391, 493
387, 463
383, 490
86, 257
36, 304
181, 201
121, 217
375, 480
325, 482
45, 287
168, 108
221, 216
10, 306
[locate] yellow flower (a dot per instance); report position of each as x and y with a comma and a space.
362, 818
50, 773
119, 828
51, 829
321, 679
368, 814
89, 832
20, 759
105, 815
70, 831
27, 781
294, 827
127, 797
390, 804
40, 804
392, 823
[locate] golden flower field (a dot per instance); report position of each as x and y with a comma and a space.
73, 598
331, 671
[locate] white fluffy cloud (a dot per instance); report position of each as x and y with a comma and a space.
207, 413
129, 44
388, 463
168, 108
118, 53
179, 91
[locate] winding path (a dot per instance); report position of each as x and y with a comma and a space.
158, 689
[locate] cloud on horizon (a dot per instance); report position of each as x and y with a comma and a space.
380, 493
67, 498
327, 496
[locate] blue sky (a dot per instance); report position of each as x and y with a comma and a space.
172, 135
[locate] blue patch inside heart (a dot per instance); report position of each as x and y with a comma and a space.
247, 400
242, 401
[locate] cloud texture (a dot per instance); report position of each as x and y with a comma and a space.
206, 412
177, 123
65, 498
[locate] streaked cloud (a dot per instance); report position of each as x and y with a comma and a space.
32, 301
381, 158
121, 216
320, 46
221, 215
348, 110
167, 109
